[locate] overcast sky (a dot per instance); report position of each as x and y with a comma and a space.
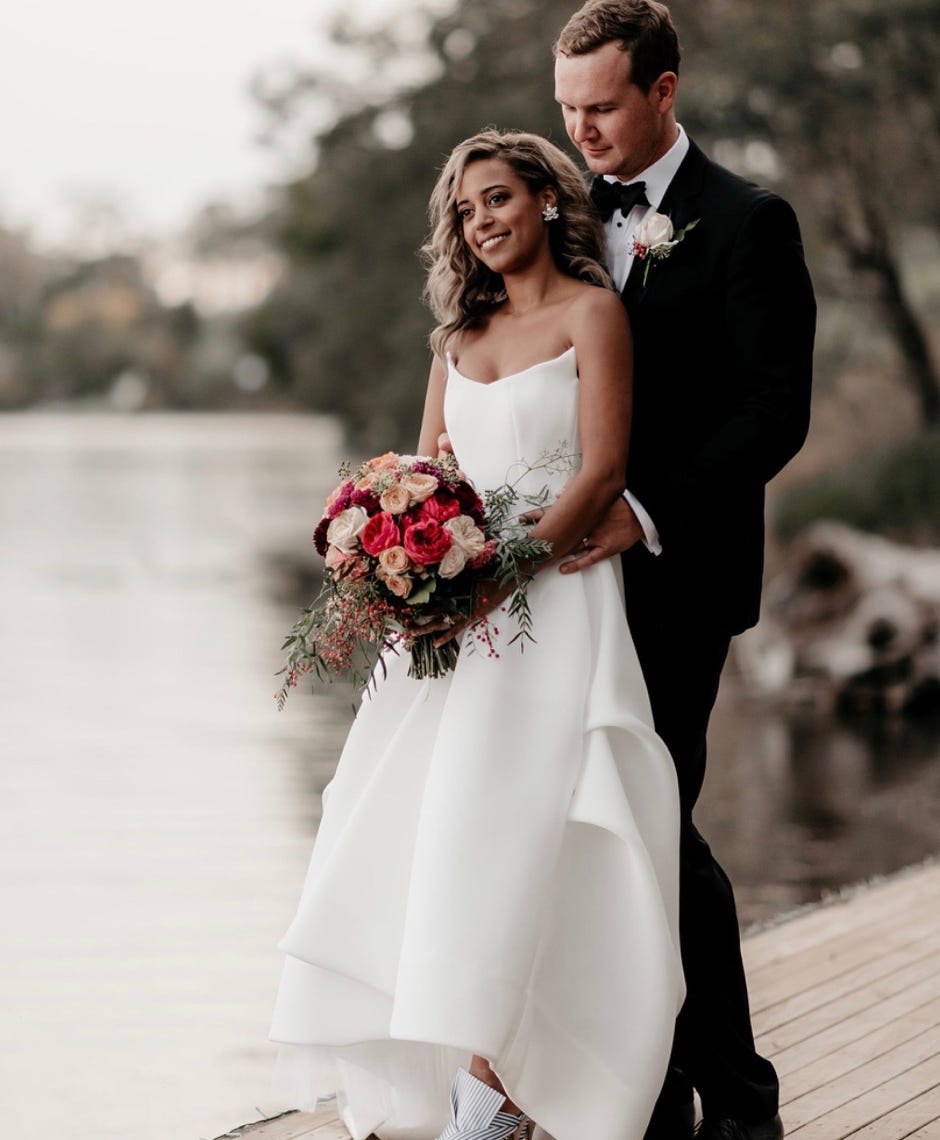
145, 104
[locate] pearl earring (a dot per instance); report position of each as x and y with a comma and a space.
550, 213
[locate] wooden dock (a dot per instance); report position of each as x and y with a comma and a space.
846, 1002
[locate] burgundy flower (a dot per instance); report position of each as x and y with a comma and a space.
426, 542
420, 467
470, 502
319, 536
365, 499
379, 533
340, 499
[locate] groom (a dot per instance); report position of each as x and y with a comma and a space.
723, 323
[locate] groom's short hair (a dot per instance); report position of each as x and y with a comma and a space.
641, 27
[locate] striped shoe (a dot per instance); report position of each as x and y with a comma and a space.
475, 1113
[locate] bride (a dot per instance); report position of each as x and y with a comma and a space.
492, 899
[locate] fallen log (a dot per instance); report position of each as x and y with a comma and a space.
850, 618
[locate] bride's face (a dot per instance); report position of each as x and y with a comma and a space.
500, 217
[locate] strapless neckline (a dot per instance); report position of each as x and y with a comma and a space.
510, 375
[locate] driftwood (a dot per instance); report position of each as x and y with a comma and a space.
850, 618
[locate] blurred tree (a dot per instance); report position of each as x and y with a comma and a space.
834, 102
847, 95
21, 284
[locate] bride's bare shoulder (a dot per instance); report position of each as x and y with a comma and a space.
591, 305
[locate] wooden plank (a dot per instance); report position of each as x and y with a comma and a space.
799, 977
876, 1106
827, 1069
929, 1132
918, 1117
892, 992
909, 890
332, 1131
867, 974
870, 1093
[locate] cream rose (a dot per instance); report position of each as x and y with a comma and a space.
343, 532
453, 562
418, 486
653, 231
466, 534
396, 500
395, 560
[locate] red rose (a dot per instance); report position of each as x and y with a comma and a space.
379, 533
426, 542
441, 506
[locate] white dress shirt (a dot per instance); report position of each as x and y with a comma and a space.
619, 233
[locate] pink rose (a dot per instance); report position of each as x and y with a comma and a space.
336, 559
399, 584
379, 533
427, 542
384, 462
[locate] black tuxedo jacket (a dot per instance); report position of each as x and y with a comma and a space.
723, 339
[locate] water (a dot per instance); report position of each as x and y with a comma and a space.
157, 812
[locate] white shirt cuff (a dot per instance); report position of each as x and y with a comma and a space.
650, 533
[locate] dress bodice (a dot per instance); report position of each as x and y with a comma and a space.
499, 429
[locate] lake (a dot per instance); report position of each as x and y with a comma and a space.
158, 811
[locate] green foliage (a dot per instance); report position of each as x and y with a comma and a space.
896, 493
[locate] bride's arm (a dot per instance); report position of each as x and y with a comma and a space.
600, 333
432, 422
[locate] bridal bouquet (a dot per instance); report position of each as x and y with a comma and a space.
408, 542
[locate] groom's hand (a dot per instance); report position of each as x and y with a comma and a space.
617, 531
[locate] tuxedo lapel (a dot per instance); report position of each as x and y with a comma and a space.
681, 204
680, 201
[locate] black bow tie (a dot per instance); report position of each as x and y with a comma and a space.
608, 196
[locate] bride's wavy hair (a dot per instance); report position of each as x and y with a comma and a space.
460, 290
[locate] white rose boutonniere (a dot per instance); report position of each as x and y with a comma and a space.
654, 239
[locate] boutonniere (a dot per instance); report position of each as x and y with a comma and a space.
654, 239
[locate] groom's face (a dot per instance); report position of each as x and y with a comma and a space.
618, 128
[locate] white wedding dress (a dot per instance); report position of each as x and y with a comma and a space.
496, 870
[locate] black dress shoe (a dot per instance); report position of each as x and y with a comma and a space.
729, 1129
